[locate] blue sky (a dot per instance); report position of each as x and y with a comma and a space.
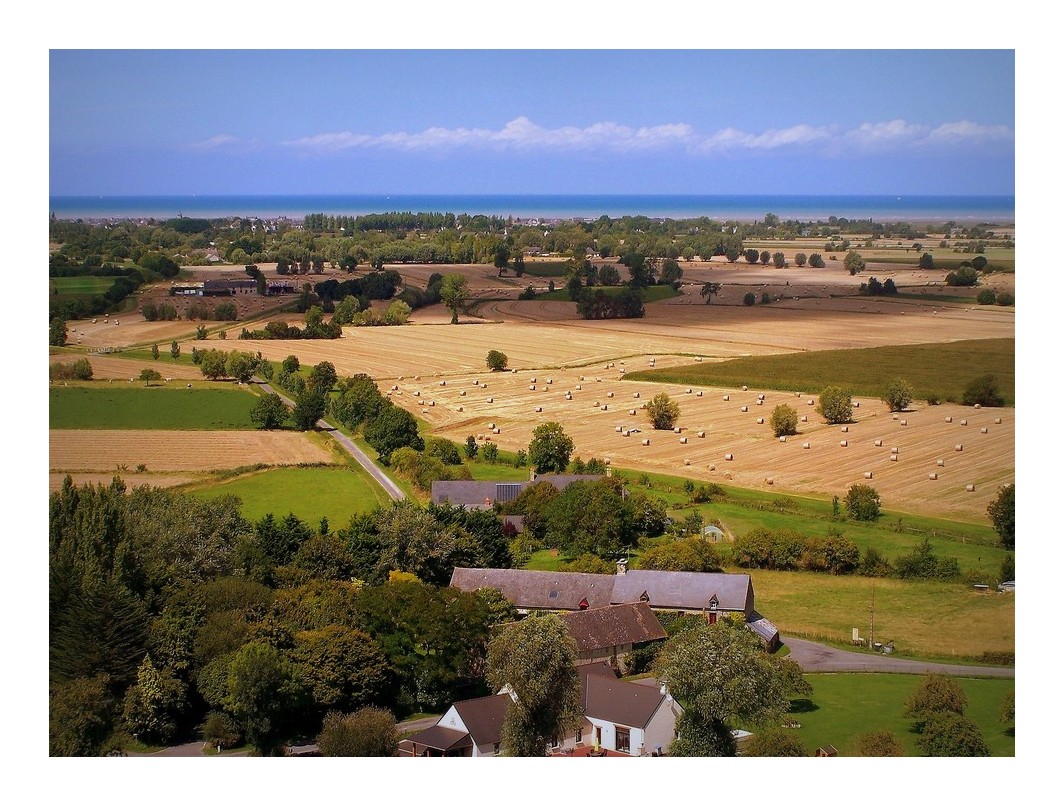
527, 121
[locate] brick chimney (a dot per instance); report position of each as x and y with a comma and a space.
622, 566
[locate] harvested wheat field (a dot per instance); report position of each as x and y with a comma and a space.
104, 451
131, 479
106, 367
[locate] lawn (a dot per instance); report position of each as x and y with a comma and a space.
156, 407
311, 493
844, 706
927, 619
933, 369
79, 285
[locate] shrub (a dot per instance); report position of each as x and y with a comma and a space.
874, 564
220, 730
921, 563
370, 731
816, 260
80, 370
951, 734
986, 297
926, 261
898, 395
1006, 299
765, 298
984, 391
862, 503
835, 405
749, 298
774, 743
490, 453
879, 743
496, 361
964, 276
784, 420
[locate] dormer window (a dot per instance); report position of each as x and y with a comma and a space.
584, 604
644, 597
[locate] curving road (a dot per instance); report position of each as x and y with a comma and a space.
360, 456
814, 657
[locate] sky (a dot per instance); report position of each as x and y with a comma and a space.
158, 122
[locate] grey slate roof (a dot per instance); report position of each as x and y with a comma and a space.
619, 702
686, 590
543, 590
483, 717
482, 494
441, 738
616, 625
563, 590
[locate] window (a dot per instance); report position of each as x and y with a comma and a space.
624, 740
580, 734
497, 748
553, 741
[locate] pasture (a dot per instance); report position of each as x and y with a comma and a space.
933, 369
167, 408
845, 706
947, 621
311, 493
79, 286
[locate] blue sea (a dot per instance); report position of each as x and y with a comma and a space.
962, 209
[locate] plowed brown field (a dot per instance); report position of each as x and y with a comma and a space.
178, 450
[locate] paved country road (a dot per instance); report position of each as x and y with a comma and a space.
813, 657
360, 456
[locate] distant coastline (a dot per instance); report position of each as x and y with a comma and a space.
962, 209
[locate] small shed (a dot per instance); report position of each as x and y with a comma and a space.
713, 533
827, 750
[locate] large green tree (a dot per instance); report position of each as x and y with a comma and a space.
721, 674
369, 731
269, 412
264, 696
550, 448
393, 428
536, 658
663, 411
1002, 513
835, 405
453, 293
936, 694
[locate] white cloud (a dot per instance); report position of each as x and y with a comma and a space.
522, 134
220, 142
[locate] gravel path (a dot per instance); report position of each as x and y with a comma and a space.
813, 657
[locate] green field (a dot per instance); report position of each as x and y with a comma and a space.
653, 293
553, 268
64, 286
311, 493
165, 408
940, 369
844, 706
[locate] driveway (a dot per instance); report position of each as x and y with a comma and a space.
814, 657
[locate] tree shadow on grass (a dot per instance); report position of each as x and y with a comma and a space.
803, 706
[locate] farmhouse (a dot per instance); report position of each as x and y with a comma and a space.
609, 634
485, 494
684, 592
619, 719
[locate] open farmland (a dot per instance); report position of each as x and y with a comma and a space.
99, 451
135, 406
941, 369
115, 367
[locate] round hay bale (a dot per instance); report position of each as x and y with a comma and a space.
949, 419
568, 395
845, 429
683, 440
805, 419
635, 396
958, 447
727, 397
904, 422
760, 420
893, 450
491, 426
531, 380
550, 381
687, 462
496, 430
894, 416
609, 394
978, 405
595, 404
843, 443
932, 476
532, 387
483, 386
605, 407
744, 387
868, 474
417, 394
940, 462
618, 429
768, 481
984, 430
579, 387
969, 488
432, 402
964, 422
783, 439
805, 446
461, 408
857, 404
878, 443
582, 378
712, 467
701, 434
698, 393
728, 457
462, 393
997, 420
688, 390
443, 383
514, 371
424, 411
809, 402
760, 397
894, 457
631, 412
476, 383
646, 441
761, 402
539, 409
743, 408
677, 430
491, 400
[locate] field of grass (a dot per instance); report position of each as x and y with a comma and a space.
64, 286
551, 268
311, 493
927, 619
844, 706
942, 369
653, 293
155, 407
